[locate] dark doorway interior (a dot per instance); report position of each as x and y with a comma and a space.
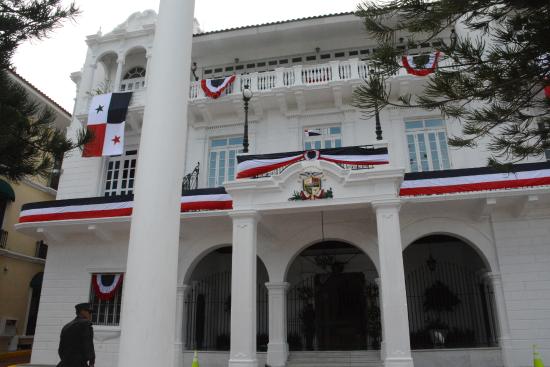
341, 312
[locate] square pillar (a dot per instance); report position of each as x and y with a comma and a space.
504, 341
180, 324
243, 290
395, 323
277, 349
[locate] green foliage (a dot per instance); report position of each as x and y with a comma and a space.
22, 20
29, 141
497, 69
30, 144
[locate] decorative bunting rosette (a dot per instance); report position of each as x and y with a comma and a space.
255, 165
106, 285
421, 70
214, 88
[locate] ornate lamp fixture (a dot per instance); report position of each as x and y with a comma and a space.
247, 96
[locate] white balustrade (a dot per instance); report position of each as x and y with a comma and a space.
297, 75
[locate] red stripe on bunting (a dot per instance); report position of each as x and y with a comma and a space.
358, 163
206, 205
423, 71
77, 215
450, 189
108, 295
256, 171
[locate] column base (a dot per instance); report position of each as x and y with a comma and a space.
243, 363
398, 362
277, 354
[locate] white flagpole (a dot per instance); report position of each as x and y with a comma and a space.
149, 297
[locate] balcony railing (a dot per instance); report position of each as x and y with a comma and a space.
3, 238
297, 75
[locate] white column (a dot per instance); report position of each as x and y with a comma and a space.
243, 290
180, 316
382, 344
119, 69
503, 325
148, 317
85, 87
149, 57
397, 349
277, 349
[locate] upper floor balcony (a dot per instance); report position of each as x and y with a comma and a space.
309, 78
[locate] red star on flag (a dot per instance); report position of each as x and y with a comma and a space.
116, 140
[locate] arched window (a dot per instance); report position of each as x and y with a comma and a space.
133, 79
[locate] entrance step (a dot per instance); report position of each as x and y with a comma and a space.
334, 359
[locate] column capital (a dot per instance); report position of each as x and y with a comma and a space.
245, 214
182, 288
494, 277
277, 286
386, 204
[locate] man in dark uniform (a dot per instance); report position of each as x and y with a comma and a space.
76, 346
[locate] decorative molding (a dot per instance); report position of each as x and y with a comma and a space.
22, 257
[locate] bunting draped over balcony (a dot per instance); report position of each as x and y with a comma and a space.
106, 285
475, 179
415, 184
214, 88
255, 165
118, 206
421, 70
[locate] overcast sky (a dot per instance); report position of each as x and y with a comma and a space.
48, 63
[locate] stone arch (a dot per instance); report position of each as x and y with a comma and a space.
333, 298
453, 227
366, 242
208, 301
450, 302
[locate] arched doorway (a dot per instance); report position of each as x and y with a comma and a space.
208, 304
332, 302
450, 302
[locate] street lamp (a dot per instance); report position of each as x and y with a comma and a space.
247, 96
377, 113
194, 70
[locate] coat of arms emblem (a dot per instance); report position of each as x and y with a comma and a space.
312, 187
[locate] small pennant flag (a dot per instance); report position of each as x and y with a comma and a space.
106, 120
312, 132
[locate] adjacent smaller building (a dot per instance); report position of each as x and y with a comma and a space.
22, 258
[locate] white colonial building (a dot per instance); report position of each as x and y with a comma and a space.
428, 259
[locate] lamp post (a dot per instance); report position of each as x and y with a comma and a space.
194, 70
247, 96
377, 113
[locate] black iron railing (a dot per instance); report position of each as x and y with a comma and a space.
3, 238
450, 306
191, 180
208, 314
325, 317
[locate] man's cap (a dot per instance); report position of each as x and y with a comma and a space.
83, 306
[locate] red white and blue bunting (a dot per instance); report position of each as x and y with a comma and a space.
421, 70
475, 179
214, 88
256, 165
415, 184
118, 206
106, 285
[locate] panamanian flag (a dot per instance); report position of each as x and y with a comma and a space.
106, 120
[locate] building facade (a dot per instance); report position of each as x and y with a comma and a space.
420, 256
22, 257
